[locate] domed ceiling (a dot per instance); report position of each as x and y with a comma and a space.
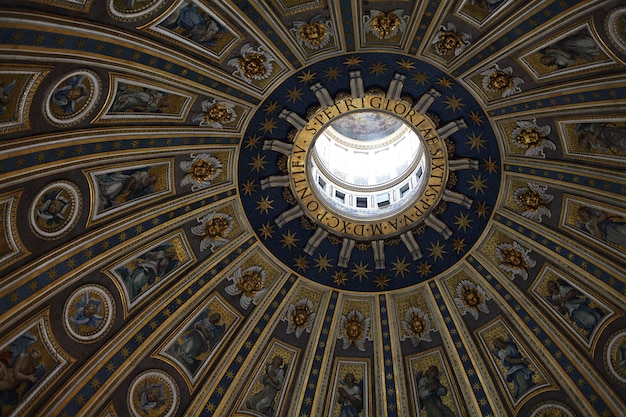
169, 248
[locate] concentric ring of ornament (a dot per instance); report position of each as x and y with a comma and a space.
367, 227
332, 257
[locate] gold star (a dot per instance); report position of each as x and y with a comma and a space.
267, 230
491, 165
248, 187
458, 244
306, 77
482, 209
454, 103
463, 221
289, 240
294, 94
264, 205
478, 184
420, 78
252, 142
381, 281
271, 107
437, 250
258, 163
332, 73
424, 268
476, 117
378, 68
406, 64
445, 82
360, 271
353, 61
400, 266
322, 263
302, 263
268, 126
476, 141
340, 278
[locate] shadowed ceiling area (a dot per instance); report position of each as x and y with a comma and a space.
174, 243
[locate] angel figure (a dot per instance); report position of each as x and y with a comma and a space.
350, 396
315, 35
87, 312
213, 228
534, 199
517, 370
201, 170
253, 64
249, 284
496, 80
385, 25
272, 381
200, 337
447, 41
430, 391
21, 368
70, 94
53, 208
514, 259
532, 137
156, 263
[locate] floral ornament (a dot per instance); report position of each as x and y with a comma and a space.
215, 114
315, 35
354, 329
300, 317
249, 284
253, 64
471, 298
448, 42
531, 137
514, 259
416, 325
496, 80
201, 170
214, 229
534, 200
385, 25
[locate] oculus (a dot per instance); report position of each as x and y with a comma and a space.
368, 167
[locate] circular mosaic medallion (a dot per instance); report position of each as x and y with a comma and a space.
551, 409
89, 313
615, 24
615, 356
363, 179
71, 99
153, 393
56, 209
128, 10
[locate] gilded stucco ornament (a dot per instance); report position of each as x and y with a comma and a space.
447, 41
471, 298
385, 25
300, 317
354, 329
514, 259
216, 113
201, 169
533, 199
249, 284
315, 34
501, 81
416, 325
532, 137
213, 228
253, 64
